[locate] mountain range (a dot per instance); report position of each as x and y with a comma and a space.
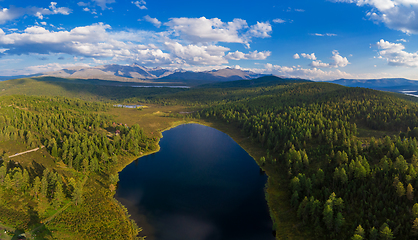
137, 73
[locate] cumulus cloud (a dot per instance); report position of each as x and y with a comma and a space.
338, 61
255, 55
8, 14
99, 43
197, 55
140, 4
278, 20
260, 30
296, 56
203, 30
154, 21
309, 56
395, 55
395, 14
299, 72
92, 41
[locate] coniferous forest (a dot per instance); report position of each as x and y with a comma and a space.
346, 159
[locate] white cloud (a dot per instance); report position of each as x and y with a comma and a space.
40, 68
338, 61
255, 55
82, 4
401, 40
199, 30
278, 20
309, 56
395, 14
14, 13
154, 21
395, 55
92, 41
86, 9
312, 74
43, 23
203, 30
197, 55
324, 34
296, 56
140, 4
260, 30
103, 3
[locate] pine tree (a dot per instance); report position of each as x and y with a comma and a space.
328, 216
400, 190
36, 186
415, 210
360, 231
77, 194
374, 233
357, 237
414, 230
58, 195
44, 185
410, 192
3, 171
386, 233
339, 221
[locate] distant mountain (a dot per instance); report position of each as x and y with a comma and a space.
4, 78
135, 72
227, 74
377, 83
264, 81
111, 72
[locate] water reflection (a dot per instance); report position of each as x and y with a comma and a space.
201, 185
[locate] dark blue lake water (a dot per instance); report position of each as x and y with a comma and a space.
201, 185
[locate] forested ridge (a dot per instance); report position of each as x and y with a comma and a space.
346, 158
83, 147
341, 185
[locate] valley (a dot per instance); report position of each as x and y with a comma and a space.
322, 146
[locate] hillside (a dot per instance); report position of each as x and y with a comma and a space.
328, 150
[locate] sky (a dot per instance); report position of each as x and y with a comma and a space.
310, 39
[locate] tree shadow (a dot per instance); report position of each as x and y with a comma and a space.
36, 170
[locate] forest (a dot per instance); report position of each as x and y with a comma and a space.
343, 161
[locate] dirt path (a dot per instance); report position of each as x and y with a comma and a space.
21, 153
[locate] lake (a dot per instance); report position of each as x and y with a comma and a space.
201, 185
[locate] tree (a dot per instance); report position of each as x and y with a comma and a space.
328, 216
414, 230
114, 178
360, 231
77, 194
3, 171
44, 185
94, 164
58, 195
36, 186
410, 192
339, 221
400, 190
386, 233
415, 210
373, 234
357, 237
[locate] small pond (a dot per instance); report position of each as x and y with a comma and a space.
201, 185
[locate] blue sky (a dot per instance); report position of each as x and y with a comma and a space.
312, 39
